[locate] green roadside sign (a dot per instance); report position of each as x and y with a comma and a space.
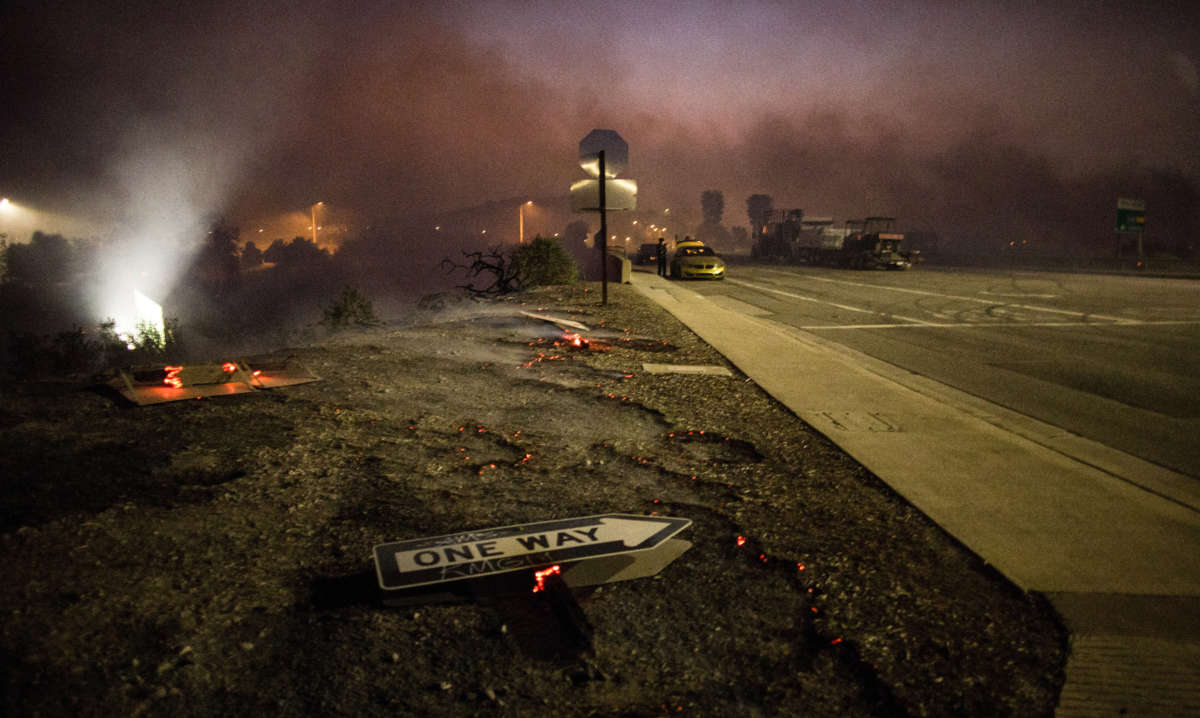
1131, 215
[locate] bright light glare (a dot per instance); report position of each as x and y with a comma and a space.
146, 316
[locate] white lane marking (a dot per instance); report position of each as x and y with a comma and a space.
1031, 307
1000, 325
847, 307
1019, 294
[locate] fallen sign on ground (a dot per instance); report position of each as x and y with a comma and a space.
559, 321
588, 543
686, 369
161, 384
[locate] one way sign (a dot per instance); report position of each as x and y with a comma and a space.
472, 554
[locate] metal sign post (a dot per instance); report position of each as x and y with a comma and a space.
603, 154
603, 235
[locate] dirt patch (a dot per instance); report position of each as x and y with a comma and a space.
213, 557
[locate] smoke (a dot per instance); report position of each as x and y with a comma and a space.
982, 123
159, 115
157, 119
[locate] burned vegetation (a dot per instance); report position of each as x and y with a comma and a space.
213, 557
497, 271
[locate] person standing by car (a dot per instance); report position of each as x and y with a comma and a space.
661, 253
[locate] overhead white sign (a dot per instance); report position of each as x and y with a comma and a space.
619, 195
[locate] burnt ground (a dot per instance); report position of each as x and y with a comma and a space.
213, 557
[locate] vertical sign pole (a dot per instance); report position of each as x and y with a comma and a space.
603, 236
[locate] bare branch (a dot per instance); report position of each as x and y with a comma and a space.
493, 263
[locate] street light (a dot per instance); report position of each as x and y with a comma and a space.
315, 221
521, 222
13, 215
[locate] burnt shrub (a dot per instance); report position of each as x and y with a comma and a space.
351, 308
79, 351
544, 262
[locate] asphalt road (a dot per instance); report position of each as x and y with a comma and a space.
1115, 359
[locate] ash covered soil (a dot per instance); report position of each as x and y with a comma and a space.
213, 557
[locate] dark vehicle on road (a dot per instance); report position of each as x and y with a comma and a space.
646, 253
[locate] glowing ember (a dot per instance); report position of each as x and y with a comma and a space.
172, 379
741, 540
541, 576
542, 356
229, 367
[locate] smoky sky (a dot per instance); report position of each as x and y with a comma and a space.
138, 113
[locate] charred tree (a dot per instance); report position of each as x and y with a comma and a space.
492, 266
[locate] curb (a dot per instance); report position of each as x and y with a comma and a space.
1131, 653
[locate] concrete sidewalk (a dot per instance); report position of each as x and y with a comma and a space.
1112, 541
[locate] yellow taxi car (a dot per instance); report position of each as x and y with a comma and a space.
695, 260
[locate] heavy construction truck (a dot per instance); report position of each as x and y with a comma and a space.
872, 244
788, 236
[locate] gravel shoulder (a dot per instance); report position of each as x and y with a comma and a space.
213, 557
